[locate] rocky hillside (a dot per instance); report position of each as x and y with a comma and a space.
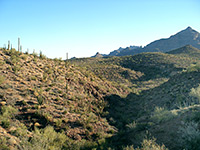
164, 99
40, 92
141, 101
187, 51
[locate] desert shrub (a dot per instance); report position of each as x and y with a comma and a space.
58, 122
34, 54
151, 145
12, 52
2, 79
21, 131
49, 70
195, 92
2, 62
33, 78
3, 143
5, 123
195, 99
45, 76
129, 148
44, 114
16, 68
194, 68
190, 135
7, 112
24, 57
131, 126
195, 116
40, 100
147, 144
14, 59
45, 139
161, 114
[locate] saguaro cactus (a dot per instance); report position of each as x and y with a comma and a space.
20, 48
66, 56
18, 44
8, 45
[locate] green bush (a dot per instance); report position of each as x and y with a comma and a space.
194, 68
33, 78
190, 135
161, 114
16, 68
147, 145
40, 100
8, 112
5, 123
34, 54
2, 79
45, 139
3, 144
195, 92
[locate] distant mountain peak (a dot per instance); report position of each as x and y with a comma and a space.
189, 28
98, 55
187, 36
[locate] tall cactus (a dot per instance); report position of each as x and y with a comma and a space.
21, 48
8, 45
18, 44
66, 56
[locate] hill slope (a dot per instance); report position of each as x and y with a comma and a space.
187, 51
161, 103
100, 103
44, 92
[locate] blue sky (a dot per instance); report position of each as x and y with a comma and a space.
84, 27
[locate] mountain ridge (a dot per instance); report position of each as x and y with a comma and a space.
184, 37
187, 36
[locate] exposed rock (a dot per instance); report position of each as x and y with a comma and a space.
12, 141
11, 129
2, 103
37, 124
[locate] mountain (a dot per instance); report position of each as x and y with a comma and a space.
182, 38
98, 55
118, 51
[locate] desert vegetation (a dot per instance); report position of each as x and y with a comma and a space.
136, 102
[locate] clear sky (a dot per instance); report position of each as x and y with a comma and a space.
84, 27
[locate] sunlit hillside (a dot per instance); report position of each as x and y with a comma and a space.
149, 100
